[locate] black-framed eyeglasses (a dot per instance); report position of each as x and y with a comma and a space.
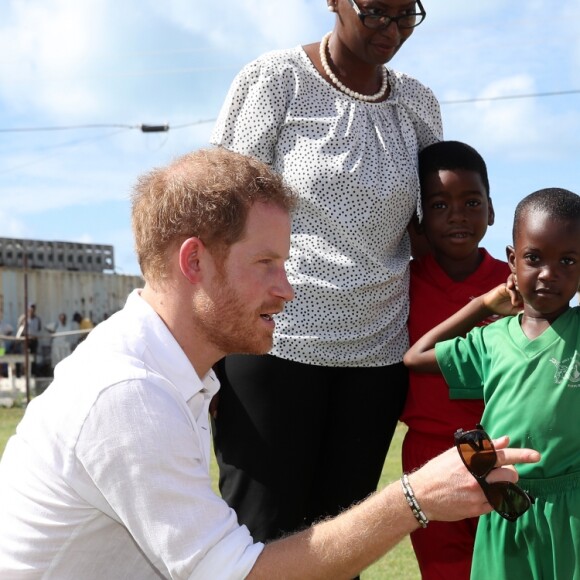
478, 453
376, 19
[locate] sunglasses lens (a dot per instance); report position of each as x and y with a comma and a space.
509, 500
477, 452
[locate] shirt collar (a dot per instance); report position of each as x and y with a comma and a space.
161, 352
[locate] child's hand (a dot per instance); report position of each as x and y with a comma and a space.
503, 300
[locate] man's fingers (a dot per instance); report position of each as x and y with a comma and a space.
501, 442
507, 457
511, 456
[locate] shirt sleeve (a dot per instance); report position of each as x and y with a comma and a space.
462, 364
144, 468
254, 110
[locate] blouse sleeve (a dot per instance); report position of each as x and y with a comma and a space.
254, 110
420, 116
419, 104
429, 126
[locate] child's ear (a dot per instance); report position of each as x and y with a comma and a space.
511, 258
419, 242
490, 212
416, 225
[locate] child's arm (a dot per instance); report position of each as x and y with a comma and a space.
500, 300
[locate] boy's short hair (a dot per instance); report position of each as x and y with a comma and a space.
450, 156
560, 204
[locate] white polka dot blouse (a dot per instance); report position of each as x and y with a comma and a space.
354, 165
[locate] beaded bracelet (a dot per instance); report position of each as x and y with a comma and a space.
412, 501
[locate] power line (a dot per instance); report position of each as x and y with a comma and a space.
506, 97
144, 127
56, 150
201, 122
147, 128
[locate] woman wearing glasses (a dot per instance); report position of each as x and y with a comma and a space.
303, 432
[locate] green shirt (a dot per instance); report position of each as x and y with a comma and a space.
531, 388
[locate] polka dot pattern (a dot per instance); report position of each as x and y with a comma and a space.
354, 166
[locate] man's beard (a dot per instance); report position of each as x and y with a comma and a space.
229, 324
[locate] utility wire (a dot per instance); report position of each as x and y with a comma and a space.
68, 127
58, 148
506, 97
145, 128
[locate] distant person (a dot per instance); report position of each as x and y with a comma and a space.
6, 331
84, 324
457, 210
526, 369
108, 473
61, 344
29, 327
31, 324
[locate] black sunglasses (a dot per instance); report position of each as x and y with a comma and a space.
478, 453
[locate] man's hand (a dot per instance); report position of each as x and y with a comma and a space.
446, 491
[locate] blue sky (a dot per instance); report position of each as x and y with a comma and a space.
127, 62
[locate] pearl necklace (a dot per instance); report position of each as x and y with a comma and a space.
344, 88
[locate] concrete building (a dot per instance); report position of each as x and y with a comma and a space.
60, 277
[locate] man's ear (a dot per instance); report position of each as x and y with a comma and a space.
490, 212
190, 255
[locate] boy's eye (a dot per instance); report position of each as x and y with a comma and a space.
473, 203
438, 205
568, 261
533, 258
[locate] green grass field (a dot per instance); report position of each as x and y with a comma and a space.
9, 418
399, 564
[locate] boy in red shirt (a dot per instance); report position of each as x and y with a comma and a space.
456, 212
